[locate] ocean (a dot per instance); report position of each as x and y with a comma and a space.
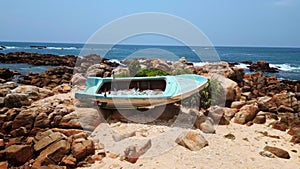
286, 59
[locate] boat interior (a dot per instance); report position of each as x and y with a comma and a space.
145, 84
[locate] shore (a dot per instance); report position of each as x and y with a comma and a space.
257, 126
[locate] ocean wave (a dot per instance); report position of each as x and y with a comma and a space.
200, 64
62, 48
287, 67
242, 66
10, 47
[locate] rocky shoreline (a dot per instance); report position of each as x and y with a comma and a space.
40, 126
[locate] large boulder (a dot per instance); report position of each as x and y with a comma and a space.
233, 91
246, 114
18, 154
52, 154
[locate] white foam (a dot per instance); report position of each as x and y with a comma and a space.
242, 66
200, 64
286, 67
61, 48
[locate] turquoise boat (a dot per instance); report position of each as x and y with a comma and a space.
141, 92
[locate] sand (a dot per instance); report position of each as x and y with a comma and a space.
241, 152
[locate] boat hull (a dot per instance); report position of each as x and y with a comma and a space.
177, 89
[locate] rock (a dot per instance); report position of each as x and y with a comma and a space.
229, 136
47, 140
70, 121
221, 115
288, 100
233, 91
32, 92
82, 148
63, 88
280, 126
16, 100
42, 120
38, 59
246, 114
283, 108
205, 124
132, 153
18, 154
295, 139
238, 104
265, 103
6, 73
260, 118
192, 140
262, 66
221, 68
267, 154
52, 154
4, 165
69, 161
19, 132
25, 119
277, 152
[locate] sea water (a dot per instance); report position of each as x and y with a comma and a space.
286, 59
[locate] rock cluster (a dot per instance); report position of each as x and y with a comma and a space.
38, 128
262, 66
51, 78
38, 59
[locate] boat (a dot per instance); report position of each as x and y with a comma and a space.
140, 92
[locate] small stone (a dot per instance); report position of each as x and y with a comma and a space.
230, 136
267, 154
277, 152
192, 140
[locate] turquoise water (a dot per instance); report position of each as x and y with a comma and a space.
287, 59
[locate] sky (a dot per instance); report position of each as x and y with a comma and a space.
224, 22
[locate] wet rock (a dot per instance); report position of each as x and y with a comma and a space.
6, 73
192, 140
38, 59
262, 66
278, 152
18, 154
246, 114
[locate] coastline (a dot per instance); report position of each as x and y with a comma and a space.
40, 108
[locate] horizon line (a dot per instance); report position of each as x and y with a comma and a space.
129, 44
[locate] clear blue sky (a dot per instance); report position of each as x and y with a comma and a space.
225, 22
